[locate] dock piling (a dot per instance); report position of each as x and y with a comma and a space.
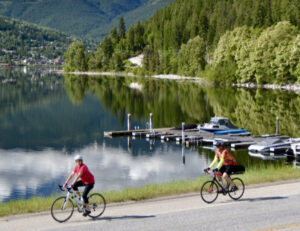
150, 122
183, 135
183, 154
128, 122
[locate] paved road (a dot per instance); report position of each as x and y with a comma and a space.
263, 208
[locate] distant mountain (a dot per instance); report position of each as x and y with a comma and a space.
25, 43
91, 18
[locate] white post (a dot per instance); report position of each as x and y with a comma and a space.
128, 121
150, 122
277, 125
183, 135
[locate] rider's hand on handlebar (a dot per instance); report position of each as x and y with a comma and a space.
206, 170
216, 170
65, 185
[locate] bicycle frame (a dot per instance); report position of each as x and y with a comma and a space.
214, 176
70, 195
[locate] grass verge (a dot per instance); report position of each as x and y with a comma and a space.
252, 176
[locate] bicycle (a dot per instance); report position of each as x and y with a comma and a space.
62, 208
210, 189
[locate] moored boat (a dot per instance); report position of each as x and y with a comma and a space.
218, 124
272, 143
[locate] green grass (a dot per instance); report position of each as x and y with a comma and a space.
253, 176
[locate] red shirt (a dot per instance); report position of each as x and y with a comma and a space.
86, 177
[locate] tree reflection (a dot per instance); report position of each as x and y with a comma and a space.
173, 102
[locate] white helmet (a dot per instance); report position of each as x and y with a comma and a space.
78, 157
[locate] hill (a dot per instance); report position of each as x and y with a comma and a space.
228, 41
23, 43
91, 18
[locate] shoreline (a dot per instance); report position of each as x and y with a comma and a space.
253, 176
129, 74
286, 87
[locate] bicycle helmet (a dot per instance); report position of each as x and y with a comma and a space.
220, 144
78, 157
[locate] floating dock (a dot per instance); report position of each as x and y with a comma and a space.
189, 135
194, 137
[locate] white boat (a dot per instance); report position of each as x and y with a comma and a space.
266, 156
296, 148
272, 143
218, 124
267, 144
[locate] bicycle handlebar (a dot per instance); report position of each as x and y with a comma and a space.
62, 188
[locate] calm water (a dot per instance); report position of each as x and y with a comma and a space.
46, 119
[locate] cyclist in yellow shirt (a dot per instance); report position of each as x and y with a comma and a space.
227, 164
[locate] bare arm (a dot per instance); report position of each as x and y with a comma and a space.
70, 177
76, 178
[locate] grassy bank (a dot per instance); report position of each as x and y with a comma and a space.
252, 176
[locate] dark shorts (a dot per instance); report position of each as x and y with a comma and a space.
87, 189
232, 169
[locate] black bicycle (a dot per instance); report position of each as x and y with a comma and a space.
211, 189
62, 208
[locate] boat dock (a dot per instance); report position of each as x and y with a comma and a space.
190, 135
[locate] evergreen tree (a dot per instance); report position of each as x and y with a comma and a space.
122, 28
107, 47
114, 36
117, 62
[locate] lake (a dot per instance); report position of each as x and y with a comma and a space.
46, 119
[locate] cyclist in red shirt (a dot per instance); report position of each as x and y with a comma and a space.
87, 180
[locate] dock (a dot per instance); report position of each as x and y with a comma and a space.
190, 135
193, 137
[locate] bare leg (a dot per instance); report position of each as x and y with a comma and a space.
78, 193
228, 179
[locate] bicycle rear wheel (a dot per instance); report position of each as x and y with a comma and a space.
237, 194
97, 205
62, 209
209, 192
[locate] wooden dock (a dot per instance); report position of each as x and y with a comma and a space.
196, 137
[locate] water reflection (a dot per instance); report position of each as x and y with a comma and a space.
25, 174
46, 119
172, 103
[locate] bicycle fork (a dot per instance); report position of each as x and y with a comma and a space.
66, 200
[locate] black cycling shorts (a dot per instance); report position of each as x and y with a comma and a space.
231, 169
87, 189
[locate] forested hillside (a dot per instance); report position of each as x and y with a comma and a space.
23, 43
88, 18
240, 40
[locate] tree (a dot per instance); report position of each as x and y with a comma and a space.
117, 62
191, 57
75, 57
107, 47
122, 28
269, 59
92, 61
114, 36
139, 36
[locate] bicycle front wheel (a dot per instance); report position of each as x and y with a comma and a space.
239, 192
209, 192
62, 209
97, 205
